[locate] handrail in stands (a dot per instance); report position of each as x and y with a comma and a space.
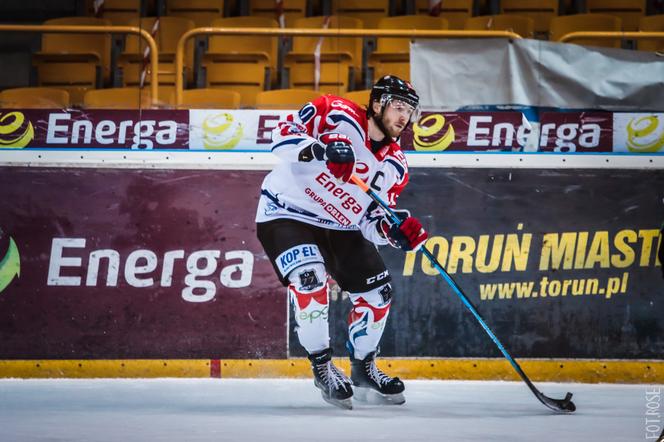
637, 35
61, 29
317, 32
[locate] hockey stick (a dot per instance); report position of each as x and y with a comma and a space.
562, 405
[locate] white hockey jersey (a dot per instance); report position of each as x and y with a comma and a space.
307, 191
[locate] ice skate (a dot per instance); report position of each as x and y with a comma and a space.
334, 386
373, 386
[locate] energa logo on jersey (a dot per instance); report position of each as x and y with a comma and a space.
14, 133
10, 265
638, 133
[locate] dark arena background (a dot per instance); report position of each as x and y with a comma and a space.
134, 138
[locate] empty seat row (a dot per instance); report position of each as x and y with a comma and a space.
134, 98
203, 12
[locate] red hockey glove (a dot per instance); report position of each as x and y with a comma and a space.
339, 155
407, 235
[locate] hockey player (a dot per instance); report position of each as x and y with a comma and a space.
313, 223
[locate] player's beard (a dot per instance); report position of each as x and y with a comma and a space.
392, 129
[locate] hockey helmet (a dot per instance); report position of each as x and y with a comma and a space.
391, 87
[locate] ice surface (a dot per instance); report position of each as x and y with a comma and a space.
271, 410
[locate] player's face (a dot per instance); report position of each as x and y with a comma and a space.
396, 116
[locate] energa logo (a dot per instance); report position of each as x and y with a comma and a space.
14, 134
221, 131
432, 134
644, 134
10, 265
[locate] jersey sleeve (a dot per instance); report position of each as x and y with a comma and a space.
370, 225
397, 175
299, 130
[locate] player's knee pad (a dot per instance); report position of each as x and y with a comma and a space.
366, 321
308, 292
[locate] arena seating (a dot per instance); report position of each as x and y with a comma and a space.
340, 58
285, 98
249, 65
652, 23
541, 11
34, 98
370, 12
205, 98
629, 11
246, 64
74, 62
360, 97
120, 12
168, 33
392, 55
292, 9
454, 11
586, 22
118, 98
522, 25
201, 12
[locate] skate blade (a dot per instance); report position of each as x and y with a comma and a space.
372, 397
344, 404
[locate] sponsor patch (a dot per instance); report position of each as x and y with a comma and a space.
297, 256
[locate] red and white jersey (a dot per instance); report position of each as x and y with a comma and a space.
307, 191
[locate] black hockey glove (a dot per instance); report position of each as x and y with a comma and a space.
337, 152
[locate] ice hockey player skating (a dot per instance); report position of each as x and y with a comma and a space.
313, 223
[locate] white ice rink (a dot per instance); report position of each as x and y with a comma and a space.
292, 410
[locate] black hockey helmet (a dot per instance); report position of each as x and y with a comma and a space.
389, 87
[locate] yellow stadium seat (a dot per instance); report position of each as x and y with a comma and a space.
542, 11
293, 9
246, 77
117, 98
74, 62
336, 74
524, 26
169, 31
340, 58
246, 64
359, 97
208, 99
285, 98
652, 23
231, 49
34, 98
349, 45
369, 11
201, 12
392, 55
120, 12
586, 22
629, 11
456, 12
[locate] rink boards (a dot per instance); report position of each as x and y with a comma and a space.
152, 268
